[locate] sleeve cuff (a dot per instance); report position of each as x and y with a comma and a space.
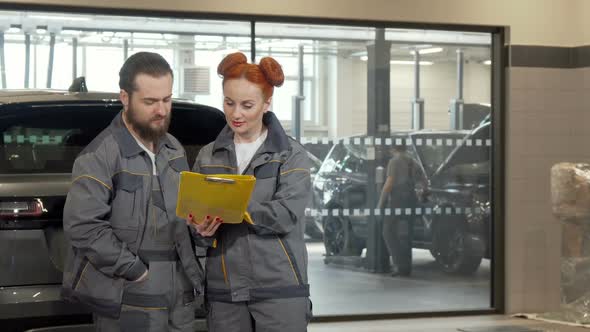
201, 241
136, 270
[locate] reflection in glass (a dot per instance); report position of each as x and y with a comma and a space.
449, 225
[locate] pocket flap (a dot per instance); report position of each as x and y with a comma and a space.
127, 181
179, 164
100, 293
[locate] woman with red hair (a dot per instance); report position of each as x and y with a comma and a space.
256, 272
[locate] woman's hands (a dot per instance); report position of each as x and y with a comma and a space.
207, 227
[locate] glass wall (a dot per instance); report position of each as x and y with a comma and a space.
369, 109
192, 47
404, 109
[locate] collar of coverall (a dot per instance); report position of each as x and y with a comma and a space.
127, 143
276, 139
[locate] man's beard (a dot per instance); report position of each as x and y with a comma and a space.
144, 130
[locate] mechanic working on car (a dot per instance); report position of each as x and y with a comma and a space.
399, 192
130, 258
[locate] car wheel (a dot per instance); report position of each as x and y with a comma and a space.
451, 247
339, 239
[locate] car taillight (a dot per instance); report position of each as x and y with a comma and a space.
21, 208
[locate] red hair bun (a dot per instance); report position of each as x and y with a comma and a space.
230, 61
272, 71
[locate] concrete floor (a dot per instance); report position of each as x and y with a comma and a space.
343, 291
492, 323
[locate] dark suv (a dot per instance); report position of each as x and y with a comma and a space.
453, 221
41, 133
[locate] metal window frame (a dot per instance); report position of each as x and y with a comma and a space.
499, 106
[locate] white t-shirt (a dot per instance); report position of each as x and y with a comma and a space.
245, 151
149, 153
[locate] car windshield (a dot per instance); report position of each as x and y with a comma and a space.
468, 160
42, 140
432, 157
47, 138
344, 158
433, 149
351, 157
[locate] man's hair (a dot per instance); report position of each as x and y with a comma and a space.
148, 63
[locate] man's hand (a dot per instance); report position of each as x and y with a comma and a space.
207, 227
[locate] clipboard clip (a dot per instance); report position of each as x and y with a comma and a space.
219, 180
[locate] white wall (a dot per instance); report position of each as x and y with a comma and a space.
438, 87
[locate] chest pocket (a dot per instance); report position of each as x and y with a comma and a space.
169, 185
179, 164
267, 180
126, 205
269, 170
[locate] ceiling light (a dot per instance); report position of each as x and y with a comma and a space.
60, 18
429, 50
71, 32
410, 62
123, 34
41, 31
364, 58
487, 62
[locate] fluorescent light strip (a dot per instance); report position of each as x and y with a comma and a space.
428, 50
60, 18
410, 62
401, 62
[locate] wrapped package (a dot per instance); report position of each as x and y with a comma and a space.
572, 239
570, 198
570, 191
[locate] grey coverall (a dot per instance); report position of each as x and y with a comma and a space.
257, 273
120, 221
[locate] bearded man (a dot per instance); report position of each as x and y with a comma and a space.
130, 258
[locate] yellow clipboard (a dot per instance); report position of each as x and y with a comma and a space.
222, 195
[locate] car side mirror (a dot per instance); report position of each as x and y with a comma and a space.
78, 85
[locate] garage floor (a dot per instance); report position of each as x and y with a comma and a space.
344, 291
492, 323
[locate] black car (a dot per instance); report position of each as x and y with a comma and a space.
460, 184
341, 184
454, 217
312, 230
42, 132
